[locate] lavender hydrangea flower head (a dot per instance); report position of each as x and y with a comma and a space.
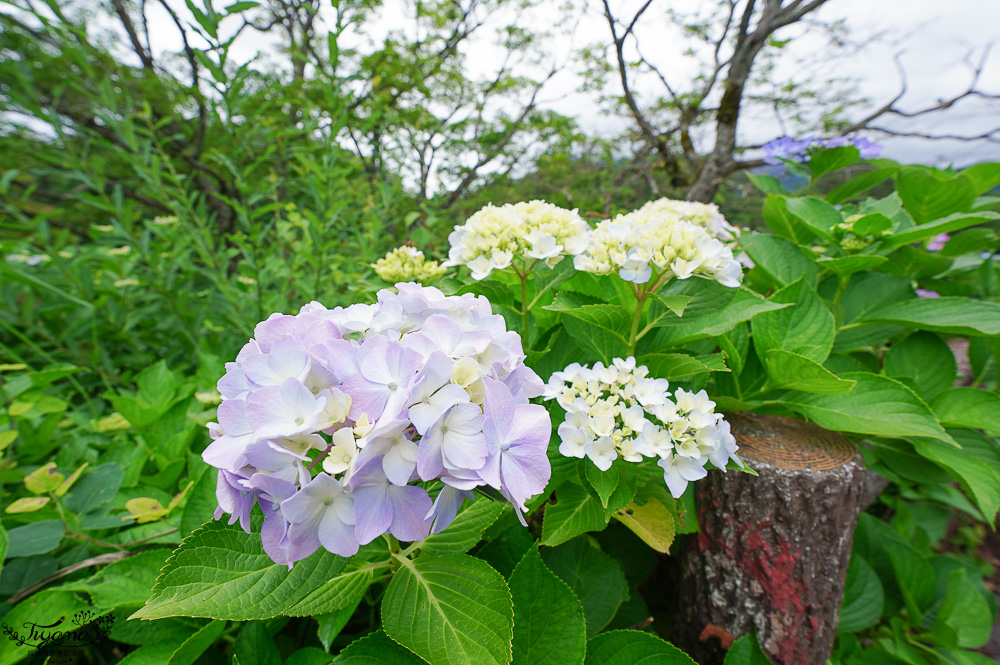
341, 424
789, 149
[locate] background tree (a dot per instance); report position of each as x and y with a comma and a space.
729, 50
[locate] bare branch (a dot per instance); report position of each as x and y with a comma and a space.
133, 35
891, 108
644, 125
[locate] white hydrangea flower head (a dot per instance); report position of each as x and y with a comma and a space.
633, 245
408, 264
526, 233
618, 412
705, 215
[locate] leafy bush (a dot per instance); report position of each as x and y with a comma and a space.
107, 497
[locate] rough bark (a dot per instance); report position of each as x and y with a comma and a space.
772, 554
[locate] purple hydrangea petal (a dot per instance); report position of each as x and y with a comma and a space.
446, 506
319, 513
455, 441
517, 436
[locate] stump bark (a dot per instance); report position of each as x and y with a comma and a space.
772, 553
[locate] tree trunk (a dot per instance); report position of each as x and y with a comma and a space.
772, 554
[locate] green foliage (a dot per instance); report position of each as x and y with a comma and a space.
549, 625
450, 609
172, 213
221, 572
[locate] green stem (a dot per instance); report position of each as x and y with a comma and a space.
633, 334
841, 285
524, 305
393, 544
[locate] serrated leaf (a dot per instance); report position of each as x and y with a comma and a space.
807, 329
652, 522
979, 480
859, 184
336, 593
877, 405
929, 194
972, 240
817, 214
254, 646
594, 576
744, 306
467, 529
968, 407
848, 265
963, 614
746, 651
549, 624
190, 651
575, 512
221, 572
984, 176
782, 223
664, 309
624, 491
828, 160
863, 597
925, 360
792, 371
912, 571
767, 184
781, 260
944, 225
452, 609
630, 647
601, 329
376, 649
707, 296
332, 623
603, 482
948, 315
680, 365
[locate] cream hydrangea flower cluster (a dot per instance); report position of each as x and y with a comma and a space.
619, 412
635, 243
497, 236
408, 264
706, 215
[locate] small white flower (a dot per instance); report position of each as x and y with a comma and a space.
602, 452
342, 453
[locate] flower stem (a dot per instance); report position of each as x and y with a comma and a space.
524, 305
640, 298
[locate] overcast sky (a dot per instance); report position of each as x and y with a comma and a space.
932, 38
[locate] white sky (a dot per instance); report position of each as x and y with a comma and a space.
932, 38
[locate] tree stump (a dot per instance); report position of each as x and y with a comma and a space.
772, 553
